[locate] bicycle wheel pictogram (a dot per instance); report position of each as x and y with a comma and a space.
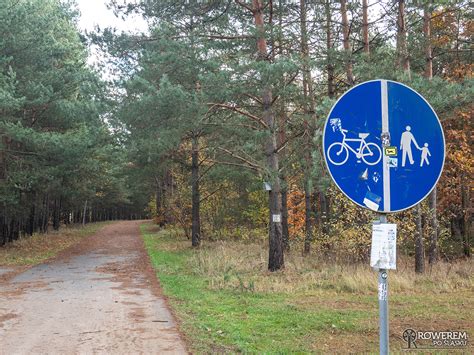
371, 153
338, 153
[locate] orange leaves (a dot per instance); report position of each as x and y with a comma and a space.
451, 36
459, 165
296, 211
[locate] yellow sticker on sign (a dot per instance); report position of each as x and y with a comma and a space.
390, 151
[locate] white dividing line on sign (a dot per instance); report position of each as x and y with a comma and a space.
385, 158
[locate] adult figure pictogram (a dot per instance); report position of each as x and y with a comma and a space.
405, 145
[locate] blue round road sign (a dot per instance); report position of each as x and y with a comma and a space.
384, 146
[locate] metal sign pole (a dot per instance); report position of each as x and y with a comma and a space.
387, 163
383, 304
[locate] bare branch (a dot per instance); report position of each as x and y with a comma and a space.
237, 164
211, 36
241, 3
206, 171
289, 139
211, 193
242, 112
234, 155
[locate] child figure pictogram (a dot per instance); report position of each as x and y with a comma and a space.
425, 152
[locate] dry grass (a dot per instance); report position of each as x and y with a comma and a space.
228, 301
40, 247
231, 264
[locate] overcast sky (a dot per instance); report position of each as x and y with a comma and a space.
94, 12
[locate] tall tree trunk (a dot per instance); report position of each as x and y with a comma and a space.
466, 217
32, 217
45, 221
84, 214
275, 257
284, 188
428, 48
196, 199
158, 196
57, 213
403, 62
323, 197
365, 26
329, 66
419, 245
323, 201
159, 201
402, 47
434, 233
284, 216
3, 160
308, 218
283, 137
346, 43
3, 235
433, 238
167, 196
309, 110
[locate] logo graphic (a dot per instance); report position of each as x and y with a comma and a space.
447, 339
338, 152
409, 335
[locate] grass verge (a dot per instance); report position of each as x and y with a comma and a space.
226, 301
33, 250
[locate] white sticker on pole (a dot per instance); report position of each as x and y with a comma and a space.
276, 218
383, 254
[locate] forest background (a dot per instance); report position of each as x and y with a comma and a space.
216, 98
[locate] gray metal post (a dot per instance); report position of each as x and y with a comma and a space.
383, 304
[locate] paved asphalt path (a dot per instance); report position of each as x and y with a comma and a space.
100, 297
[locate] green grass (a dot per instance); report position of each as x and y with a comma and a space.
33, 250
226, 301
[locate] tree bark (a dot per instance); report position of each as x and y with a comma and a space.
196, 198
403, 62
346, 43
167, 196
57, 214
84, 214
433, 244
402, 47
308, 218
32, 217
428, 47
433, 248
283, 137
3, 160
325, 210
365, 26
159, 201
324, 199
284, 216
329, 66
466, 217
309, 110
419, 246
275, 257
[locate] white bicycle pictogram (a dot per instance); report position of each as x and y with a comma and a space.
338, 152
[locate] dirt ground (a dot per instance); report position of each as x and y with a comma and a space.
100, 296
